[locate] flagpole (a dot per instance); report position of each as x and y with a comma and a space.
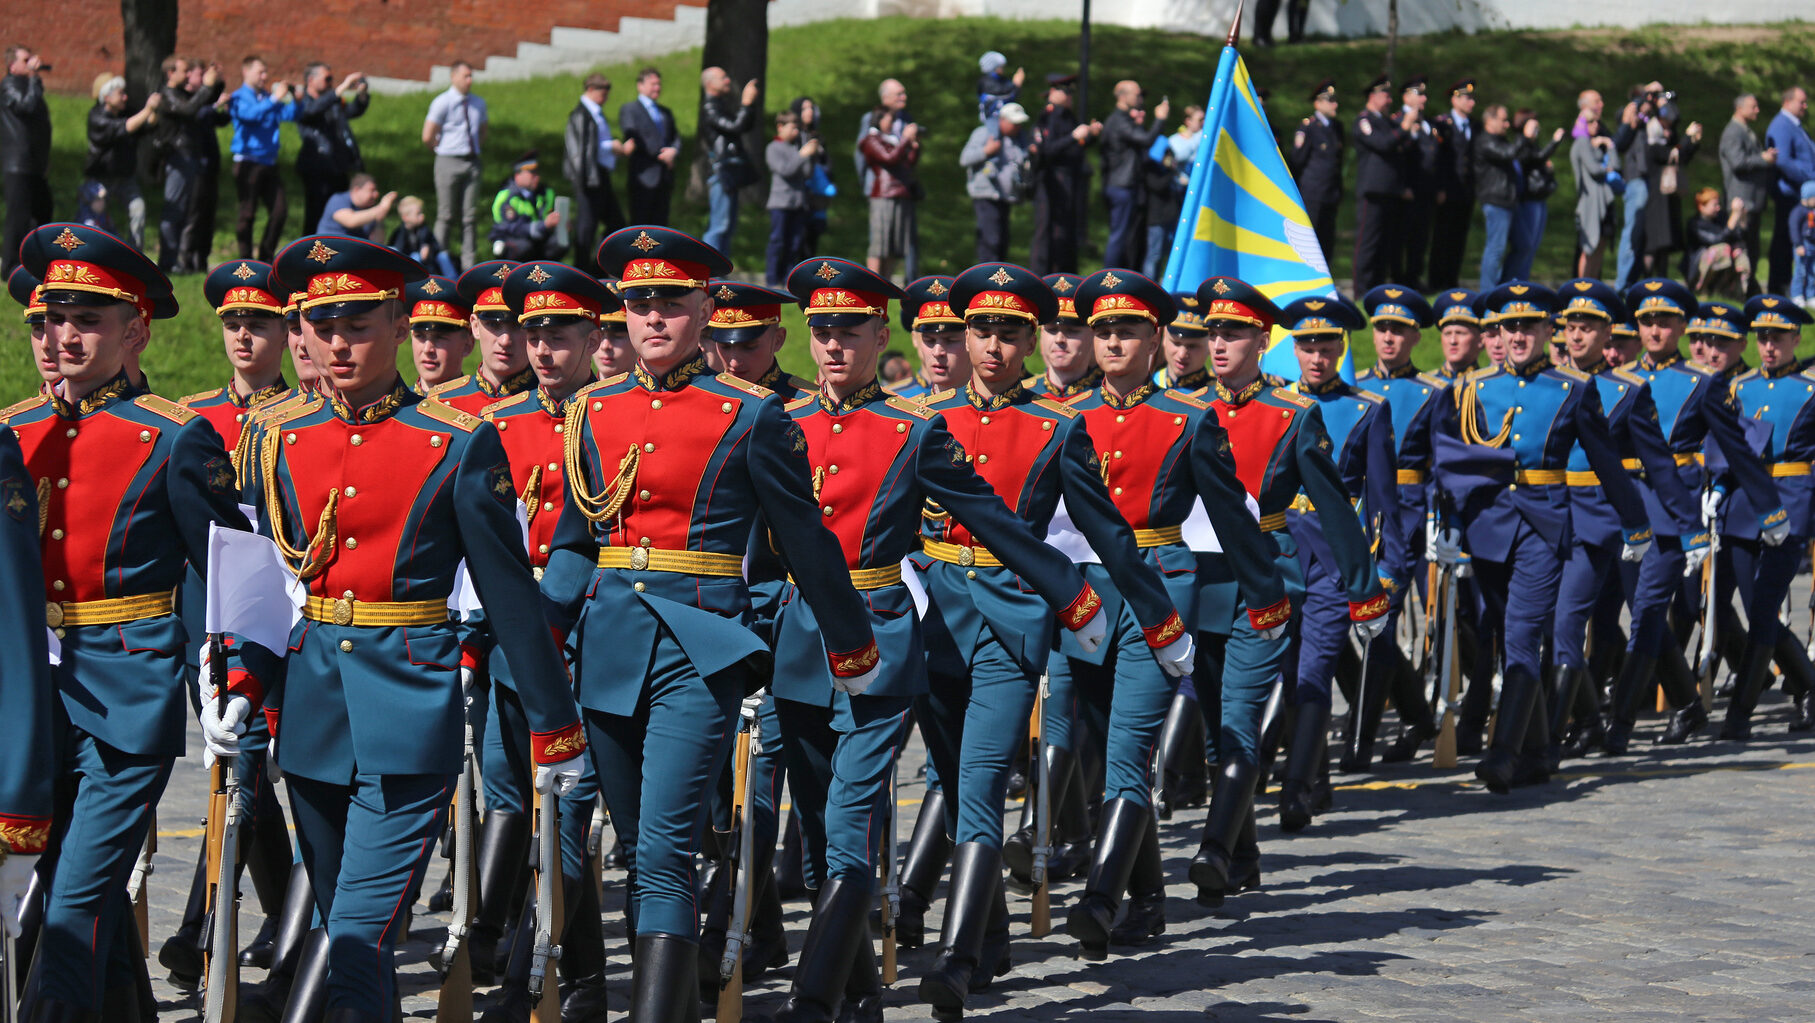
1083, 104
1235, 30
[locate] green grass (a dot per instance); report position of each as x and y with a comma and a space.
838, 64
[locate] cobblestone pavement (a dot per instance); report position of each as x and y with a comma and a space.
1661, 885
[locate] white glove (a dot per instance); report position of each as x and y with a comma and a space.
272, 771
1692, 559
1366, 631
1271, 634
1633, 553
1430, 538
858, 683
221, 729
1447, 550
1090, 634
1711, 500
563, 776
1175, 657
1776, 535
15, 877
467, 678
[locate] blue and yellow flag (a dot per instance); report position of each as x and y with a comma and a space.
1242, 215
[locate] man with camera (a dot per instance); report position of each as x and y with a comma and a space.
24, 150
722, 128
994, 163
176, 143
1647, 102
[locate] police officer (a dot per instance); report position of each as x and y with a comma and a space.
1316, 161
115, 538
1423, 152
938, 333
1502, 445
441, 334
1066, 347
1454, 200
1139, 431
878, 459
335, 475
667, 469
503, 362
1384, 144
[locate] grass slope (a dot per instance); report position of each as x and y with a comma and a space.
838, 63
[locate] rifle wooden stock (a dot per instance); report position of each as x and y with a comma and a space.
454, 1003
547, 1008
1444, 755
1041, 923
731, 988
220, 953
891, 883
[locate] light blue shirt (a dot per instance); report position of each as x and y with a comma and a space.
655, 110
462, 119
607, 158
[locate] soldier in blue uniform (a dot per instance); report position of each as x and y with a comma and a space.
938, 333
1185, 349
1316, 162
1502, 445
127, 485
1776, 393
1694, 412
1163, 453
374, 494
1066, 347
991, 639
667, 470
28, 755
441, 333
877, 460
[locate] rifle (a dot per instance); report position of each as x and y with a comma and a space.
595, 840
743, 877
9, 966
1362, 648
455, 1003
544, 990
1710, 652
1444, 756
221, 963
142, 869
1042, 912
891, 883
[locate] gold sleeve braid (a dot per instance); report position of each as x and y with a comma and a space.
310, 560
598, 505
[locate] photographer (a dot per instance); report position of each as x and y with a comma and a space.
175, 142
24, 150
113, 149
1538, 181
722, 128
993, 160
1645, 142
329, 155
257, 109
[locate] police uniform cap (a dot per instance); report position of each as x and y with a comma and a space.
651, 261
1775, 312
1396, 303
1660, 296
1117, 293
1065, 288
1321, 316
78, 265
742, 313
1462, 87
1003, 292
836, 292
1061, 79
343, 276
1383, 83
545, 293
1231, 298
1189, 322
244, 286
1586, 296
436, 300
927, 302
1325, 89
1420, 83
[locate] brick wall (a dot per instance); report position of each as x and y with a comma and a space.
390, 38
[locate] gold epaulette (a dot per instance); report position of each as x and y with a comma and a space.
503, 403
754, 390
282, 416
1368, 396
1629, 376
1571, 372
450, 385
264, 413
910, 406
199, 395
1300, 400
165, 407
1699, 367
1747, 375
21, 406
1060, 407
933, 397
1433, 380
802, 385
802, 402
1030, 381
445, 413
1185, 399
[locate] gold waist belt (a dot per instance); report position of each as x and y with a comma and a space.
958, 554
110, 611
1782, 469
651, 559
1159, 536
1541, 477
873, 578
374, 613
1576, 478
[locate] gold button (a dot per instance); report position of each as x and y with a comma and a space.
1513, 486
347, 594
71, 432
357, 440
985, 420
289, 438
648, 448
503, 424
240, 418
346, 646
597, 406
1046, 425
542, 549
828, 510
560, 426
900, 427
550, 505
144, 436
61, 633
552, 466
1178, 420
972, 574
1118, 454
655, 403
352, 543
726, 407
1515, 436
982, 459
832, 470
63, 484
351, 492
1231, 413
1121, 419
1118, 491
837, 427
435, 441
638, 587
58, 586
644, 542
56, 534
643, 494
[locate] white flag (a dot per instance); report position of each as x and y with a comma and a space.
1200, 536
251, 592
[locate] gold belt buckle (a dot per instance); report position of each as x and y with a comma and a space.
537, 572
967, 556
343, 611
53, 614
639, 558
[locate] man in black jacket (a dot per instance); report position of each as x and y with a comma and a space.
1454, 203
1058, 153
1496, 155
113, 151
1382, 144
329, 156
650, 125
24, 151
175, 142
204, 130
1423, 150
1316, 160
728, 166
1127, 135
591, 155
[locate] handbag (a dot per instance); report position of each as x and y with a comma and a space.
819, 183
1666, 179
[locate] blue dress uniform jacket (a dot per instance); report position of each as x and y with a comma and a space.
28, 763
1786, 402
877, 461
1360, 428
1632, 423
133, 482
378, 505
1694, 408
1412, 399
684, 464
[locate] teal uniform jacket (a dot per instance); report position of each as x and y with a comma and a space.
767, 575
1786, 403
28, 755
1632, 424
690, 460
1503, 443
1412, 398
1694, 409
1032, 451
382, 503
1360, 427
133, 482
877, 461
1163, 451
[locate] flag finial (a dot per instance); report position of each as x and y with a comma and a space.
1235, 30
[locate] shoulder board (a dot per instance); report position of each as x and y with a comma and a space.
1366, 374
601, 384
1629, 376
1293, 397
199, 395
447, 414
1480, 373
803, 401
1030, 381
910, 406
450, 385
20, 406
503, 403
934, 397
165, 407
1571, 372
801, 384
271, 409
1751, 374
1057, 406
1432, 380
1698, 367
1368, 396
1186, 399
1806, 374
283, 415
754, 390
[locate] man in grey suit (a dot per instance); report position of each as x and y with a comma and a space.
651, 125
1747, 169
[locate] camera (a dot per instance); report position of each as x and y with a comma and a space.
1658, 99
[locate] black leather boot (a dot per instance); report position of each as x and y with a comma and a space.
578, 895
583, 952
715, 903
268, 865
1232, 804
1628, 687
1518, 696
308, 995
1417, 723
266, 1005
1182, 781
181, 953
1534, 766
1244, 869
1146, 916
1680, 685
664, 987
768, 948
1297, 793
502, 859
1073, 834
1018, 850
1754, 675
922, 867
993, 959
1565, 682
840, 923
1124, 823
863, 988
976, 877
